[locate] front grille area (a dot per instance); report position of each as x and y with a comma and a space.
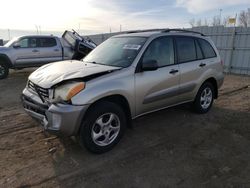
42, 92
34, 106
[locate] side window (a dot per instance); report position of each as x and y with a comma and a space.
161, 50
185, 49
47, 42
198, 50
24, 43
207, 49
28, 43
33, 43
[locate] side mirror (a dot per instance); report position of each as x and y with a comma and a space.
16, 45
149, 65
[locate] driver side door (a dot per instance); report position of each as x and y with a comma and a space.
156, 89
27, 52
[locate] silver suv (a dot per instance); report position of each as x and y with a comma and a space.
125, 77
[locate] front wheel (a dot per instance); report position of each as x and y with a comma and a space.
204, 98
4, 70
103, 127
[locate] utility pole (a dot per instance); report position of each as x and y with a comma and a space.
79, 27
36, 29
120, 28
220, 16
9, 33
229, 69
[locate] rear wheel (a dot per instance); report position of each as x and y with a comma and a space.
204, 98
103, 128
4, 70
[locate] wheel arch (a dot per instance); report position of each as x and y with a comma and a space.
117, 99
213, 81
4, 58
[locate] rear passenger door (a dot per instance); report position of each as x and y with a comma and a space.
157, 89
49, 49
193, 64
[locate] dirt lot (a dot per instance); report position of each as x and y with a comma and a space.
170, 148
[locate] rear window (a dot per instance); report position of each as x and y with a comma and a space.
207, 49
47, 42
186, 49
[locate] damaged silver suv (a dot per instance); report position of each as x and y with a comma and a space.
125, 77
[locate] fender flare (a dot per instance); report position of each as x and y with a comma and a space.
6, 60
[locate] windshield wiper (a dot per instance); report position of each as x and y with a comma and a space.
93, 62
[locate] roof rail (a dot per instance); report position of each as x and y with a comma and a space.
147, 30
183, 30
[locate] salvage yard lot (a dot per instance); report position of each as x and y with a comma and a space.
169, 148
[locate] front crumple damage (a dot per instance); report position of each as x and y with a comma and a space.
54, 73
55, 118
83, 79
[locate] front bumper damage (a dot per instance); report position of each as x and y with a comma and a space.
60, 119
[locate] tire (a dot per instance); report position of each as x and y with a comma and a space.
4, 70
103, 128
204, 98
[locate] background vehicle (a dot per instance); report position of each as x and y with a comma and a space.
123, 78
37, 50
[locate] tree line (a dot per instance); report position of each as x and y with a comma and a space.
243, 19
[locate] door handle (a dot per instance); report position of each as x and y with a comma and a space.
35, 50
202, 64
173, 71
56, 50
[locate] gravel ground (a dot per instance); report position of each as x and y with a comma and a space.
169, 148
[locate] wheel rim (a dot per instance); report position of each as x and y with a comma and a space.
105, 129
206, 98
2, 70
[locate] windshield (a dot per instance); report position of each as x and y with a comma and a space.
118, 51
8, 44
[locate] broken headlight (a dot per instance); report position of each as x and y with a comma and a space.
66, 91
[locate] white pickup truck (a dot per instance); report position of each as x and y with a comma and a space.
37, 50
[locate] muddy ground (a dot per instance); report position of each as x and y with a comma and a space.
170, 148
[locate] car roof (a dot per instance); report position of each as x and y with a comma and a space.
37, 36
161, 33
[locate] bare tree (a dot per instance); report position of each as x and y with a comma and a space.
216, 21
198, 23
226, 21
205, 22
192, 22
243, 18
248, 15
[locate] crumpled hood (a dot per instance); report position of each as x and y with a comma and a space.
53, 73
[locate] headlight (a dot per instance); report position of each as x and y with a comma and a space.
66, 91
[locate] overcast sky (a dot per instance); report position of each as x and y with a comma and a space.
97, 16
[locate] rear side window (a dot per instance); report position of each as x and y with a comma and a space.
198, 50
185, 49
47, 42
207, 49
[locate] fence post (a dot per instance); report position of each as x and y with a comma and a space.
232, 50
